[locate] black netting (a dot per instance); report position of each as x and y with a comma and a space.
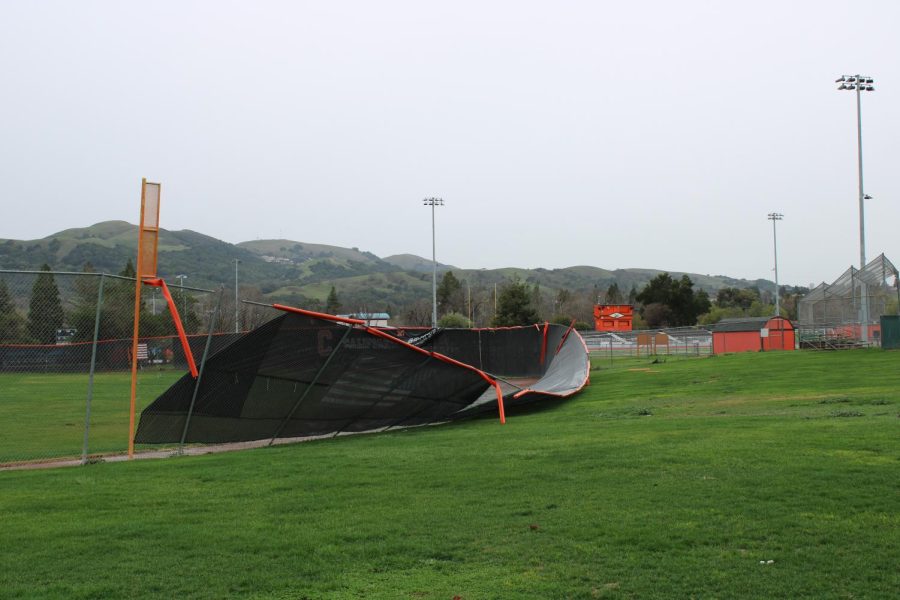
299, 375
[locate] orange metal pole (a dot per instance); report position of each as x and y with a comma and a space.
179, 326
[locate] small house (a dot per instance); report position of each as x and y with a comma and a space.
753, 334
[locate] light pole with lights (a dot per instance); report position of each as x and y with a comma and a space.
860, 83
774, 216
432, 202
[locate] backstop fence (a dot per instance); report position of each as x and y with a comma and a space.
846, 312
66, 352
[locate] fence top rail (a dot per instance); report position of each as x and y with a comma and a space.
85, 274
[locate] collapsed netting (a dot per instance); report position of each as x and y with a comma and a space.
306, 374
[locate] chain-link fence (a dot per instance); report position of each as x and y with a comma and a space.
675, 342
846, 312
66, 354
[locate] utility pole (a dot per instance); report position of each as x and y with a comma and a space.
432, 202
237, 314
181, 279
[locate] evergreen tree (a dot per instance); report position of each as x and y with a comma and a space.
129, 270
12, 325
84, 311
449, 293
514, 306
45, 312
332, 304
613, 294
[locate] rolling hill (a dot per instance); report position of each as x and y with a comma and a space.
302, 273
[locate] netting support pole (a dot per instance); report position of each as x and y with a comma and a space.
90, 390
212, 326
311, 385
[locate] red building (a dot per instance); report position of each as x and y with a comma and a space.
613, 317
753, 334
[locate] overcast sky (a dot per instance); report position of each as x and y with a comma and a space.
613, 134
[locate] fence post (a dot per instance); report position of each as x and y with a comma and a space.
90, 390
212, 325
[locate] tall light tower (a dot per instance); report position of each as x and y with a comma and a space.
181, 279
237, 314
776, 217
432, 202
860, 83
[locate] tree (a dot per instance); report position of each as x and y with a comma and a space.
657, 314
537, 300
449, 293
729, 297
332, 304
45, 312
12, 325
514, 306
84, 311
561, 306
454, 320
613, 294
683, 305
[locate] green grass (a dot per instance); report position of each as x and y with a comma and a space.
669, 480
42, 414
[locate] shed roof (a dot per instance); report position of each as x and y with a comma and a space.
745, 324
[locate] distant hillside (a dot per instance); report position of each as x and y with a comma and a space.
302, 273
411, 262
298, 252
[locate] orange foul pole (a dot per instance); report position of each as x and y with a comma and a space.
148, 235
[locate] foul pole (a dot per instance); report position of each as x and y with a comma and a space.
148, 236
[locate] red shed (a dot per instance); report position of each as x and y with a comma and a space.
752, 334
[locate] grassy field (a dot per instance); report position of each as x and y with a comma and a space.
752, 475
42, 414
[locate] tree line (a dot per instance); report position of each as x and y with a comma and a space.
46, 315
663, 302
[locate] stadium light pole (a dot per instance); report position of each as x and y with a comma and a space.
432, 202
860, 83
181, 279
774, 217
237, 261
